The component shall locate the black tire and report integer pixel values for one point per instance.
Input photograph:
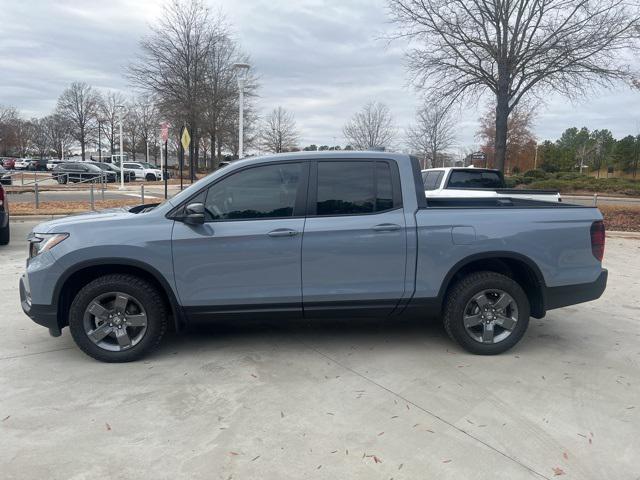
(5, 235)
(62, 179)
(459, 298)
(150, 177)
(143, 292)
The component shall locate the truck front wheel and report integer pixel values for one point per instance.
(117, 318)
(486, 313)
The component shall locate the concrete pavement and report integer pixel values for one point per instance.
(347, 398)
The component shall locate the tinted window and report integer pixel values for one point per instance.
(347, 188)
(475, 179)
(261, 192)
(132, 165)
(432, 180)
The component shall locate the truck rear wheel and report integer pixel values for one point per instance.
(117, 318)
(486, 313)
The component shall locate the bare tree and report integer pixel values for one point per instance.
(40, 142)
(58, 131)
(433, 133)
(109, 107)
(371, 128)
(172, 65)
(8, 118)
(131, 128)
(147, 116)
(279, 132)
(80, 104)
(513, 48)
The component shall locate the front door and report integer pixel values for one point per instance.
(245, 258)
(354, 250)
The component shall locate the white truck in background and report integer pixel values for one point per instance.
(477, 183)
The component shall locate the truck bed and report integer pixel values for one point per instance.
(494, 202)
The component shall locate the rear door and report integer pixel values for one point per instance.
(354, 245)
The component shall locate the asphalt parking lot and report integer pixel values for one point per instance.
(340, 399)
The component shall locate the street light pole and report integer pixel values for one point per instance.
(242, 69)
(120, 108)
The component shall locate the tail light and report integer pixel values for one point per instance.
(1, 196)
(597, 239)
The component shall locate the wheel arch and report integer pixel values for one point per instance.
(519, 267)
(74, 278)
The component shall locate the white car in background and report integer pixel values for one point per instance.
(477, 183)
(52, 163)
(144, 171)
(22, 163)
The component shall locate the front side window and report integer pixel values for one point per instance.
(267, 191)
(352, 188)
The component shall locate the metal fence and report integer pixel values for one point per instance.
(94, 184)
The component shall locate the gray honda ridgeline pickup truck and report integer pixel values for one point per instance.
(334, 234)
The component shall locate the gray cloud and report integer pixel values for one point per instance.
(320, 59)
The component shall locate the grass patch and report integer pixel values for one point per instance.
(67, 208)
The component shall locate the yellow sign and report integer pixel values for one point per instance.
(186, 138)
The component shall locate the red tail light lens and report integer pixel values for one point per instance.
(1, 196)
(597, 239)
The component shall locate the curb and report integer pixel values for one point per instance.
(623, 234)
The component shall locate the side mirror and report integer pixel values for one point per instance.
(194, 214)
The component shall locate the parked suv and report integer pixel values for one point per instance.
(144, 171)
(311, 235)
(5, 176)
(4, 218)
(37, 164)
(81, 171)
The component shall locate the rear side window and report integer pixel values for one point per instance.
(474, 179)
(432, 180)
(352, 188)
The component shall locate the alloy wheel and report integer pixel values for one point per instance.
(115, 321)
(490, 316)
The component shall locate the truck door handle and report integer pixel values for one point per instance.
(283, 232)
(387, 227)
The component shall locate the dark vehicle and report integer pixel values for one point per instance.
(5, 177)
(38, 164)
(129, 175)
(9, 163)
(4, 218)
(81, 171)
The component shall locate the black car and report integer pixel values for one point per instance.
(38, 164)
(4, 218)
(5, 177)
(82, 171)
(129, 175)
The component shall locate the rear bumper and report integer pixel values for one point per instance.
(45, 315)
(557, 297)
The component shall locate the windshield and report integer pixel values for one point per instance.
(148, 165)
(470, 178)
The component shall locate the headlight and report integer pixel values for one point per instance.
(42, 242)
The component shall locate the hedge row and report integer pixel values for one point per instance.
(574, 182)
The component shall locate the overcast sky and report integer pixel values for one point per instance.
(321, 59)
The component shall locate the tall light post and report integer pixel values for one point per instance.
(120, 109)
(242, 71)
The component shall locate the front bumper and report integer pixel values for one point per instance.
(557, 297)
(45, 315)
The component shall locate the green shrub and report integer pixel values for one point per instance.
(541, 174)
